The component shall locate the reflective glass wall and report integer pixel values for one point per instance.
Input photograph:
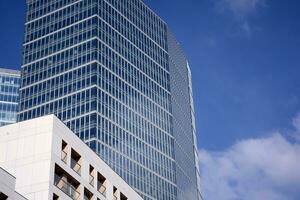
(184, 128)
(102, 66)
(9, 96)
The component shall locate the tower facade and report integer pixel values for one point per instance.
(107, 69)
(183, 124)
(9, 95)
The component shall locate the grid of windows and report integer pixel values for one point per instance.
(102, 66)
(105, 74)
(9, 96)
(184, 129)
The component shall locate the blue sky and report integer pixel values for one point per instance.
(245, 59)
(245, 62)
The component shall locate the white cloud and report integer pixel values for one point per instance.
(254, 169)
(296, 124)
(241, 8)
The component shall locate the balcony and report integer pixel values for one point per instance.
(123, 197)
(76, 166)
(101, 184)
(115, 193)
(91, 175)
(64, 150)
(64, 156)
(66, 187)
(76, 161)
(102, 189)
(87, 194)
(91, 180)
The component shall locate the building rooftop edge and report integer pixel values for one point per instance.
(1, 168)
(153, 12)
(10, 71)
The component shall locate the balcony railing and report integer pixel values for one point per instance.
(66, 187)
(91, 180)
(115, 197)
(102, 189)
(64, 156)
(86, 198)
(76, 166)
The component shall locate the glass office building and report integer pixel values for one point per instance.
(111, 70)
(9, 95)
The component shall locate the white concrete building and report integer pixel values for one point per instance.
(50, 162)
(7, 187)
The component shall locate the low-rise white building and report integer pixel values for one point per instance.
(50, 162)
(7, 187)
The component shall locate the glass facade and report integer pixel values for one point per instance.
(9, 95)
(103, 67)
(184, 128)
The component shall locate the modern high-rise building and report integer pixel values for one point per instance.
(9, 95)
(112, 72)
